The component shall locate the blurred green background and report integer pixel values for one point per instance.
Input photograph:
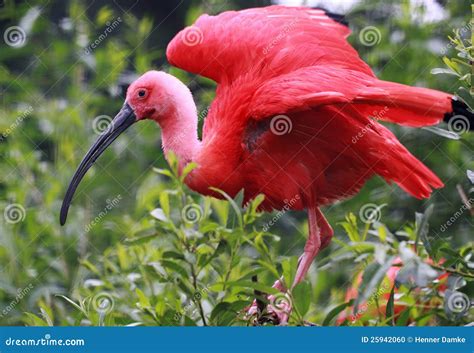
(64, 77)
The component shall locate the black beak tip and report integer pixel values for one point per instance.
(122, 121)
(63, 214)
(62, 219)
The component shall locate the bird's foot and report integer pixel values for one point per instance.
(276, 312)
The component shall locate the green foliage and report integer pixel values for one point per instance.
(156, 253)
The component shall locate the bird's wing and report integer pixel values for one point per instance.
(268, 41)
(310, 87)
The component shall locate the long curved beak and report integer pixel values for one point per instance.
(122, 121)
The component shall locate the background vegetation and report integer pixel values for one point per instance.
(140, 249)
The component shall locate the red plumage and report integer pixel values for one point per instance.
(296, 62)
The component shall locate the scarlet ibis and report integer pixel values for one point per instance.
(295, 116)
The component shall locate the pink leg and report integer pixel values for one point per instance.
(320, 234)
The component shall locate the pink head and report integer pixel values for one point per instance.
(154, 95)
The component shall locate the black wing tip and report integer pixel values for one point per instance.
(341, 19)
(460, 109)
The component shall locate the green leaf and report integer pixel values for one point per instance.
(335, 312)
(350, 226)
(186, 170)
(165, 203)
(225, 313)
(438, 71)
(142, 299)
(165, 172)
(302, 297)
(143, 237)
(422, 227)
(35, 320)
(233, 203)
(289, 267)
(73, 303)
(372, 277)
(246, 284)
(451, 64)
(403, 318)
(389, 311)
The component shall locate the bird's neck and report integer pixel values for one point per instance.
(179, 128)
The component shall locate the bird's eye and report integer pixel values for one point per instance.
(141, 93)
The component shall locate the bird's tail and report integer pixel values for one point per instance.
(395, 163)
(412, 106)
(388, 158)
